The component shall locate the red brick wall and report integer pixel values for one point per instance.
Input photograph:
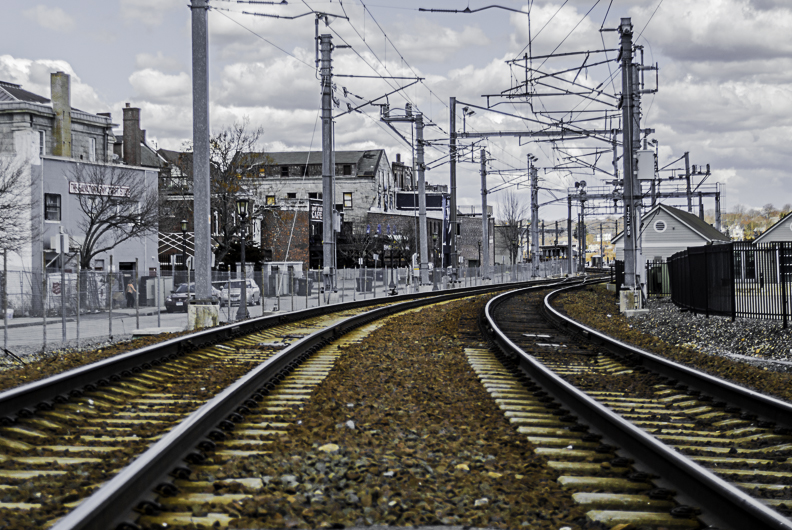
(275, 231)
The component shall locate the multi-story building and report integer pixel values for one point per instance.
(54, 144)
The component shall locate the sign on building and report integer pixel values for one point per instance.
(105, 190)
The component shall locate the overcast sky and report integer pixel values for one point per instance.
(725, 74)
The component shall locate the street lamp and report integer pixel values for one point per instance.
(184, 248)
(479, 256)
(242, 204)
(434, 269)
(392, 283)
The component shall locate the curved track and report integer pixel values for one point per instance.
(717, 446)
(162, 405)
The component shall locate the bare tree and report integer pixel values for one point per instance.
(115, 206)
(15, 205)
(360, 243)
(512, 211)
(231, 158)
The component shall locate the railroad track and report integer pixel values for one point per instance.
(121, 434)
(639, 439)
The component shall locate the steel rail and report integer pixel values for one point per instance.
(132, 488)
(24, 400)
(715, 495)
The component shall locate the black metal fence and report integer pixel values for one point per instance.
(735, 279)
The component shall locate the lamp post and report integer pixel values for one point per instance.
(184, 248)
(479, 256)
(392, 285)
(434, 262)
(242, 205)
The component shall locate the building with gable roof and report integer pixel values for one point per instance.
(666, 230)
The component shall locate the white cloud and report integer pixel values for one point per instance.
(158, 61)
(53, 18)
(149, 12)
(427, 41)
(718, 30)
(34, 76)
(157, 87)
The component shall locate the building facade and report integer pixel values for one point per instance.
(55, 144)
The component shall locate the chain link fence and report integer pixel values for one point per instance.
(55, 311)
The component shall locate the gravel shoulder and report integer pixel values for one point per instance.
(749, 352)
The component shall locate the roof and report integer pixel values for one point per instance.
(365, 161)
(772, 228)
(693, 222)
(13, 92)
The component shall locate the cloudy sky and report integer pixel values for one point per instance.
(725, 75)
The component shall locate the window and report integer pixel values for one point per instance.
(315, 195)
(262, 172)
(339, 207)
(347, 169)
(291, 195)
(348, 200)
(42, 139)
(660, 226)
(270, 200)
(52, 207)
(284, 171)
(92, 150)
(99, 265)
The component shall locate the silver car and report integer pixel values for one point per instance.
(234, 294)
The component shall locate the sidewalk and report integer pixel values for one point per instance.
(21, 322)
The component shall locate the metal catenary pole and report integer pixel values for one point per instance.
(5, 300)
(534, 219)
(423, 238)
(201, 179)
(687, 183)
(484, 219)
(79, 302)
(328, 171)
(452, 215)
(569, 234)
(631, 233)
(44, 305)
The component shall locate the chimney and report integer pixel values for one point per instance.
(398, 158)
(143, 136)
(61, 104)
(132, 135)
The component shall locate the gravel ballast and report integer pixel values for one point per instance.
(416, 440)
(749, 352)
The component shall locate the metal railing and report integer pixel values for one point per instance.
(736, 279)
(53, 311)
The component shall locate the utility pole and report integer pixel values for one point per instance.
(328, 169)
(484, 218)
(556, 234)
(631, 227)
(452, 219)
(687, 179)
(543, 232)
(602, 249)
(201, 184)
(534, 218)
(569, 233)
(423, 239)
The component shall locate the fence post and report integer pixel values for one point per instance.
(78, 303)
(733, 282)
(44, 305)
(782, 266)
(5, 300)
(137, 295)
(63, 287)
(706, 281)
(110, 299)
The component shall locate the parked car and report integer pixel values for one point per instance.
(253, 292)
(177, 301)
